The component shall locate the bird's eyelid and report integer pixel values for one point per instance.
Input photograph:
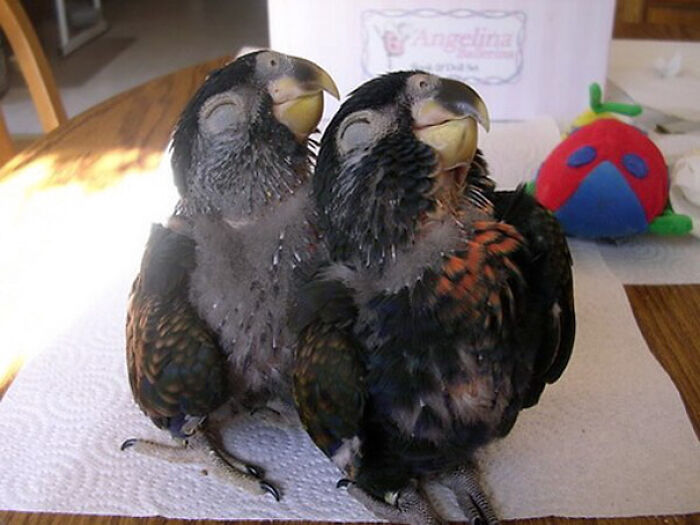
(354, 119)
(220, 112)
(359, 129)
(217, 100)
(354, 134)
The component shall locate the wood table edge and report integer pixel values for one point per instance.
(27, 518)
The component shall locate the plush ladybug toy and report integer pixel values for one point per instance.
(608, 180)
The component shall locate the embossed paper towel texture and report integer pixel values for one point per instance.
(611, 438)
(651, 259)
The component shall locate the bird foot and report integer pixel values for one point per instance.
(200, 446)
(408, 506)
(171, 453)
(464, 483)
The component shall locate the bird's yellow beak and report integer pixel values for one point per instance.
(297, 96)
(447, 122)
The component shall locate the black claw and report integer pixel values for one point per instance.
(128, 443)
(256, 471)
(342, 483)
(268, 487)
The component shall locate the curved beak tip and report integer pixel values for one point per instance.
(333, 89)
(303, 78)
(328, 84)
(463, 100)
(313, 75)
(298, 96)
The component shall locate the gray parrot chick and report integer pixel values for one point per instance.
(205, 322)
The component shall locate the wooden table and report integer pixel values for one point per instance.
(137, 124)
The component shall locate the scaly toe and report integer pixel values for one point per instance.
(270, 489)
(343, 483)
(472, 499)
(410, 507)
(256, 471)
(128, 443)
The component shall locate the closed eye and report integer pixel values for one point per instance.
(221, 116)
(221, 113)
(359, 131)
(355, 134)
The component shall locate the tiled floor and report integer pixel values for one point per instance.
(146, 39)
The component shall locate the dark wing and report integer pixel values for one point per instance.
(547, 271)
(176, 367)
(329, 371)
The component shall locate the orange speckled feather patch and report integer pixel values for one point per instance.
(477, 276)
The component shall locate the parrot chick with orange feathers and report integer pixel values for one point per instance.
(443, 308)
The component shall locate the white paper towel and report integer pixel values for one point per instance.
(653, 259)
(611, 438)
(622, 443)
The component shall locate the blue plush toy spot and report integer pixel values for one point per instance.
(582, 156)
(603, 206)
(635, 165)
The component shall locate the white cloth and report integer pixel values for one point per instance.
(685, 188)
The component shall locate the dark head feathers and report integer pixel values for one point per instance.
(238, 72)
(376, 93)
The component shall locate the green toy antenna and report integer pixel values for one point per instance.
(598, 106)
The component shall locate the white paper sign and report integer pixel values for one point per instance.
(483, 47)
(524, 57)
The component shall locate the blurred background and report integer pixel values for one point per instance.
(143, 39)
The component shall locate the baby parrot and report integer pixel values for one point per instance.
(442, 309)
(206, 335)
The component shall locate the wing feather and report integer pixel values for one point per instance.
(329, 372)
(548, 268)
(175, 365)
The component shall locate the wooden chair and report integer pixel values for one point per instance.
(35, 69)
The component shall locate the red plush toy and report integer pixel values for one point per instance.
(607, 179)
